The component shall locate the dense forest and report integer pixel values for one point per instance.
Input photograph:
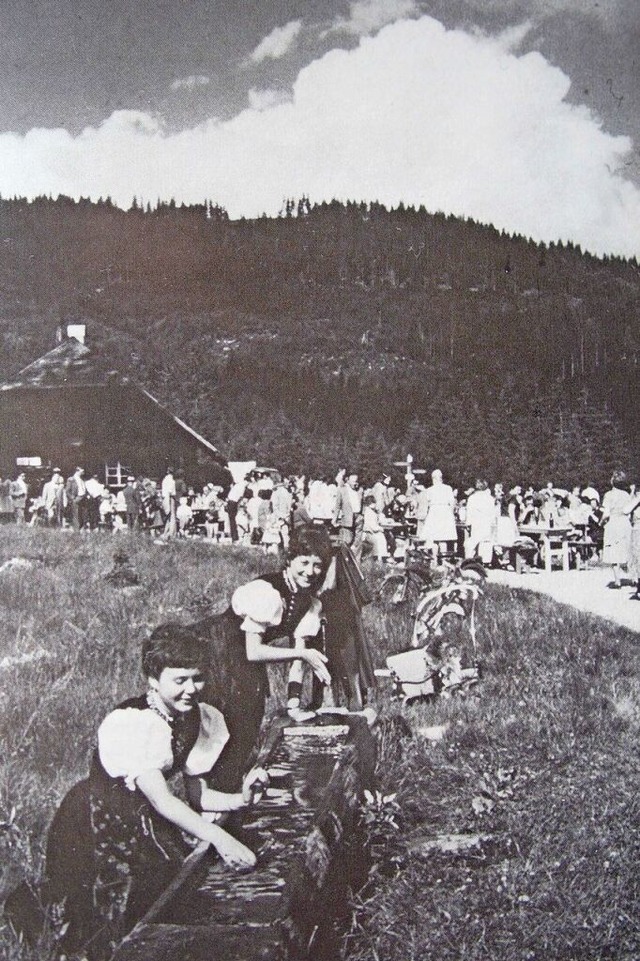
(342, 334)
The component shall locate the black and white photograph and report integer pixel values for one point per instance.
(319, 480)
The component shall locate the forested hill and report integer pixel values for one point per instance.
(342, 333)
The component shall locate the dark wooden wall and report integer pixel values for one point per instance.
(96, 425)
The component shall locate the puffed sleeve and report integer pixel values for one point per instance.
(212, 737)
(311, 622)
(260, 604)
(132, 741)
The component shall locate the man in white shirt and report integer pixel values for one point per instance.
(95, 492)
(236, 492)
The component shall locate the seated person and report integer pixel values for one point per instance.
(116, 841)
(531, 514)
(184, 516)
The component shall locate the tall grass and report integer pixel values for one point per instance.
(541, 762)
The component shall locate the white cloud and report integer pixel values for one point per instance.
(418, 114)
(367, 16)
(266, 98)
(190, 83)
(278, 43)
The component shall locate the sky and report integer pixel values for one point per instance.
(523, 114)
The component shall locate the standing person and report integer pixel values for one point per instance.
(61, 504)
(320, 501)
(168, 495)
(372, 531)
(6, 504)
(282, 506)
(95, 493)
(347, 515)
(383, 493)
(617, 526)
(437, 519)
(258, 509)
(481, 522)
(19, 494)
(133, 502)
(273, 606)
(236, 493)
(182, 489)
(506, 509)
(76, 491)
(116, 840)
(49, 497)
(632, 510)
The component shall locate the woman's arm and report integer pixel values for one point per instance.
(205, 798)
(262, 653)
(155, 789)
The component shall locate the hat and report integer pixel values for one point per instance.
(56, 470)
(130, 477)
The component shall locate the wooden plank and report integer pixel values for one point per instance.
(210, 942)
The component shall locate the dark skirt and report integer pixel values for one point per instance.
(109, 857)
(239, 689)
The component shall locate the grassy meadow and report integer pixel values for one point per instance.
(539, 764)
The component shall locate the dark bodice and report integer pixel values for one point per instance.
(295, 604)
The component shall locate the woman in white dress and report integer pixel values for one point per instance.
(436, 515)
(617, 527)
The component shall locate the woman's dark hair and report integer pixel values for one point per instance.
(308, 541)
(172, 645)
(618, 478)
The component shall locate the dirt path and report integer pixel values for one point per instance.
(586, 590)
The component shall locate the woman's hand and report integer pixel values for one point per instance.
(235, 854)
(317, 662)
(254, 785)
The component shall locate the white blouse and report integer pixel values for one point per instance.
(132, 741)
(262, 606)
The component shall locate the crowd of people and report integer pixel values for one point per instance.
(495, 524)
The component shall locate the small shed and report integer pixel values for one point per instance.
(70, 408)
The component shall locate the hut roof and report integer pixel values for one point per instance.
(72, 364)
(69, 364)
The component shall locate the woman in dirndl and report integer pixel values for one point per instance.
(118, 837)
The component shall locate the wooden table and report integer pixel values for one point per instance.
(554, 542)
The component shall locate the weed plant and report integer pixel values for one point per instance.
(539, 766)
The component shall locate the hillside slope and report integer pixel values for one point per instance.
(345, 333)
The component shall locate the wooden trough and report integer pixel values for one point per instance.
(305, 831)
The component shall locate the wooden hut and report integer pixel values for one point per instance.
(70, 408)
